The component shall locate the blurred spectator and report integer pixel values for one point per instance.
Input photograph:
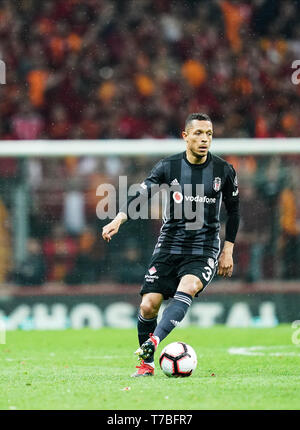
(290, 232)
(60, 251)
(253, 235)
(5, 242)
(8, 168)
(74, 210)
(32, 270)
(59, 126)
(27, 124)
(89, 123)
(268, 180)
(35, 173)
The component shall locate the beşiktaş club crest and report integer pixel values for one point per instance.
(217, 184)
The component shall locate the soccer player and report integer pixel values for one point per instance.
(187, 253)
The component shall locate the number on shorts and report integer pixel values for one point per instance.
(207, 274)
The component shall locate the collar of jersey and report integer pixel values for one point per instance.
(198, 166)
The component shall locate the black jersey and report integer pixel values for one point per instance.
(201, 188)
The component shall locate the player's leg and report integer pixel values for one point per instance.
(147, 318)
(147, 321)
(174, 313)
(195, 274)
(189, 286)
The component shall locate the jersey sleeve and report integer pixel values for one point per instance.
(230, 189)
(231, 201)
(156, 177)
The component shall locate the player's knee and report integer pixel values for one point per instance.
(191, 285)
(149, 309)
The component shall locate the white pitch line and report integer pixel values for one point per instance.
(17, 359)
(263, 351)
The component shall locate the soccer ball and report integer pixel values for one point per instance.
(178, 360)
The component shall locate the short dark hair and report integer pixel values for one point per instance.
(198, 116)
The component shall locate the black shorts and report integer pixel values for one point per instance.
(165, 271)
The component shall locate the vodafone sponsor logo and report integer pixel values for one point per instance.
(201, 199)
(177, 197)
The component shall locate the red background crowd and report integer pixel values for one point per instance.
(134, 68)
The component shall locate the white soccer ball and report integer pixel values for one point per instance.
(178, 360)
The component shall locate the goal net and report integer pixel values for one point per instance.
(48, 207)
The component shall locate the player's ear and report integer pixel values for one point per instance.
(184, 134)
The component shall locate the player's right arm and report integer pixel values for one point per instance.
(112, 228)
(156, 177)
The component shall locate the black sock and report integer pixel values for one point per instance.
(145, 327)
(173, 314)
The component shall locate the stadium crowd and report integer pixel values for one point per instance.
(134, 68)
(105, 69)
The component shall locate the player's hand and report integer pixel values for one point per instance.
(110, 230)
(225, 267)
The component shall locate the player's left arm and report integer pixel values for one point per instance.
(231, 201)
(156, 177)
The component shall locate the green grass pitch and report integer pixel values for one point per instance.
(90, 369)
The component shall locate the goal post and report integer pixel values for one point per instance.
(127, 147)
